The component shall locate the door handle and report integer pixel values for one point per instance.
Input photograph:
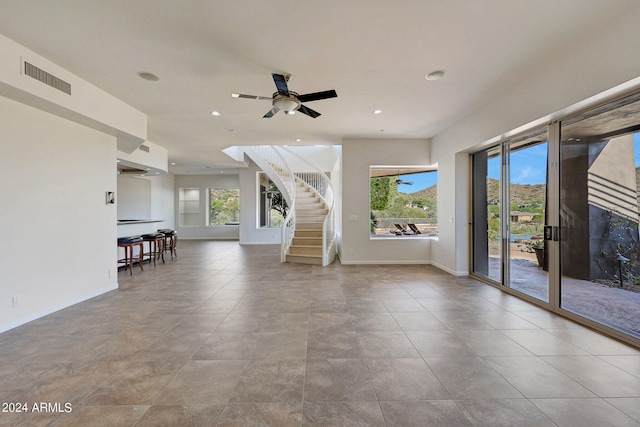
(552, 232)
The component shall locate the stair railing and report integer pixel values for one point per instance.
(321, 184)
(271, 161)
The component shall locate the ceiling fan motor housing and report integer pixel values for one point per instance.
(286, 103)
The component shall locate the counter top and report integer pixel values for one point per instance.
(138, 221)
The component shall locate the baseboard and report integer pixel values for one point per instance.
(259, 243)
(32, 317)
(386, 262)
(450, 271)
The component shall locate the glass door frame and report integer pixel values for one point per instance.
(553, 221)
(552, 244)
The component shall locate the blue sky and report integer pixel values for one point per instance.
(420, 182)
(528, 165)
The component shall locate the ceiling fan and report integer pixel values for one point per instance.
(287, 100)
(399, 181)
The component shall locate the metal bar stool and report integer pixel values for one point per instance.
(128, 243)
(172, 237)
(156, 246)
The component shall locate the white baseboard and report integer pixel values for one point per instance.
(58, 307)
(449, 270)
(386, 262)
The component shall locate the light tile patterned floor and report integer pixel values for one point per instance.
(226, 335)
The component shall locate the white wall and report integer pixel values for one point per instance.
(149, 198)
(203, 182)
(87, 104)
(133, 198)
(155, 158)
(162, 200)
(357, 156)
(250, 232)
(558, 86)
(59, 236)
(322, 157)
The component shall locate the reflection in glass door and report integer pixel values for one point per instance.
(527, 253)
(487, 214)
(600, 247)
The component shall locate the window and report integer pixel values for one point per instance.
(224, 206)
(404, 201)
(189, 207)
(272, 207)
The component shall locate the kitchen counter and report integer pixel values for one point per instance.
(138, 221)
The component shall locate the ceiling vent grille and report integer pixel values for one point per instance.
(46, 78)
(144, 148)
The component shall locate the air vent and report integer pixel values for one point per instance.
(46, 78)
(144, 148)
(131, 171)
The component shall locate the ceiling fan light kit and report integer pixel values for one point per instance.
(288, 101)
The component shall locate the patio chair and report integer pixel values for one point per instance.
(401, 229)
(414, 229)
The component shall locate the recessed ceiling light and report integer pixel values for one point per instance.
(215, 113)
(148, 76)
(377, 111)
(435, 75)
(235, 95)
(298, 140)
(173, 163)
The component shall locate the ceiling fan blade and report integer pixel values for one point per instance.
(318, 95)
(308, 111)
(271, 112)
(242, 95)
(281, 84)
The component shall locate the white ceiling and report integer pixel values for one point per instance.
(374, 53)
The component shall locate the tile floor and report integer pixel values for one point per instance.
(225, 335)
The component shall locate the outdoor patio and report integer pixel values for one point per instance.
(614, 307)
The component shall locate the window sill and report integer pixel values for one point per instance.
(403, 237)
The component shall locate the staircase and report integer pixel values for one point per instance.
(306, 247)
(308, 232)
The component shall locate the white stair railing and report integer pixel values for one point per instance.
(275, 166)
(322, 186)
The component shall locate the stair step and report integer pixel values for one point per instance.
(309, 200)
(308, 233)
(305, 250)
(305, 259)
(310, 218)
(301, 225)
(311, 212)
(307, 241)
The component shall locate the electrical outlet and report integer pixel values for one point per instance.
(15, 302)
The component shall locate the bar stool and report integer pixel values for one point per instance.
(128, 243)
(156, 246)
(172, 237)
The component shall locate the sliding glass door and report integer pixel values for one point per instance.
(509, 214)
(600, 258)
(556, 216)
(527, 208)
